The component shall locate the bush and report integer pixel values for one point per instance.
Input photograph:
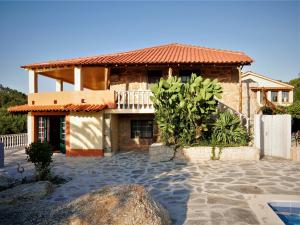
(294, 110)
(40, 154)
(228, 130)
(182, 110)
(266, 110)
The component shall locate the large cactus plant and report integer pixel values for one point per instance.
(182, 110)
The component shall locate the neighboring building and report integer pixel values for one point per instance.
(277, 92)
(255, 86)
(110, 109)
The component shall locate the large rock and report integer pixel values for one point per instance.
(127, 204)
(159, 152)
(26, 192)
(5, 182)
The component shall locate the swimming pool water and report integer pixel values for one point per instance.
(288, 212)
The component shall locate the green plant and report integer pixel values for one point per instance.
(40, 154)
(267, 110)
(294, 110)
(183, 110)
(296, 83)
(215, 156)
(9, 123)
(228, 130)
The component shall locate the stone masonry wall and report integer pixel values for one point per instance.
(136, 78)
(127, 143)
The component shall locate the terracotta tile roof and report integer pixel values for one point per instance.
(271, 88)
(170, 53)
(60, 108)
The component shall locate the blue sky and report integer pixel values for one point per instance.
(267, 31)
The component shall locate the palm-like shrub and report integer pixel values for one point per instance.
(182, 110)
(228, 130)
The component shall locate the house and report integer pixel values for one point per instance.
(110, 108)
(278, 92)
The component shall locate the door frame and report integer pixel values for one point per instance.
(67, 128)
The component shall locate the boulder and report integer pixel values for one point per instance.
(127, 204)
(26, 192)
(6, 182)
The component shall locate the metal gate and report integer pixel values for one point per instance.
(272, 135)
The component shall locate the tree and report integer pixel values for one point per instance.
(296, 84)
(183, 110)
(9, 123)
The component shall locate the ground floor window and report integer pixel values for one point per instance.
(141, 128)
(285, 96)
(274, 96)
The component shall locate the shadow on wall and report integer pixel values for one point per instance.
(86, 135)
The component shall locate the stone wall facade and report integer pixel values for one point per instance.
(250, 102)
(125, 142)
(136, 78)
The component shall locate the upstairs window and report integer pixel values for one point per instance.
(274, 96)
(185, 75)
(141, 128)
(154, 76)
(285, 96)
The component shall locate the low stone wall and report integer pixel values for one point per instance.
(196, 154)
(160, 152)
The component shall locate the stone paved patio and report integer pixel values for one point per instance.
(211, 192)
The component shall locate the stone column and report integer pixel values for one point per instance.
(170, 72)
(30, 128)
(33, 82)
(291, 96)
(269, 96)
(279, 97)
(106, 78)
(258, 93)
(58, 85)
(78, 79)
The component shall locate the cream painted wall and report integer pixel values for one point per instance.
(30, 128)
(261, 82)
(86, 130)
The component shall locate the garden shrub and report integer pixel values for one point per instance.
(267, 110)
(294, 110)
(228, 130)
(40, 154)
(183, 110)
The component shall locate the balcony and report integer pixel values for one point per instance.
(126, 101)
(72, 97)
(138, 100)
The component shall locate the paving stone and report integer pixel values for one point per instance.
(237, 216)
(193, 193)
(225, 201)
(246, 189)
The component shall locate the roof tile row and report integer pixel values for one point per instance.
(171, 53)
(59, 108)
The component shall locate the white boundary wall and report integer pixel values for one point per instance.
(272, 135)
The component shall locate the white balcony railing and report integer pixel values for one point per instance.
(134, 100)
(14, 140)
